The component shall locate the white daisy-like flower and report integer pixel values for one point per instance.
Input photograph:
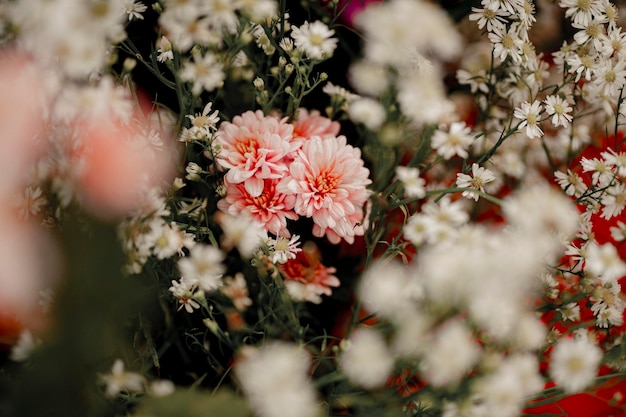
(506, 43)
(204, 71)
(163, 239)
(615, 43)
(419, 229)
(616, 160)
(165, 53)
(184, 293)
(454, 142)
(570, 312)
(574, 364)
(608, 306)
(590, 33)
(203, 267)
(618, 232)
(314, 39)
(411, 181)
(604, 261)
(601, 172)
(488, 17)
(283, 249)
(530, 114)
(134, 9)
(613, 201)
(559, 109)
(582, 11)
(475, 182)
(610, 76)
(337, 91)
(121, 381)
(571, 183)
(206, 121)
(582, 64)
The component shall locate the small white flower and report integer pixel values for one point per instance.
(454, 142)
(559, 109)
(163, 240)
(570, 312)
(340, 92)
(206, 120)
(539, 208)
(283, 249)
(506, 43)
(162, 388)
(616, 160)
(236, 289)
(389, 298)
(574, 364)
(165, 52)
(476, 182)
(275, 380)
(529, 114)
(506, 390)
(613, 201)
(582, 65)
(488, 17)
(571, 183)
(618, 232)
(411, 181)
(184, 293)
(242, 232)
(120, 381)
(601, 172)
(604, 261)
(203, 267)
(369, 78)
(314, 39)
(204, 72)
(134, 9)
(581, 12)
(193, 171)
(367, 359)
(453, 352)
(367, 111)
(610, 76)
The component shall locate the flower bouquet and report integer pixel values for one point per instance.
(320, 208)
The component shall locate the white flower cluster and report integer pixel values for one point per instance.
(404, 41)
(467, 292)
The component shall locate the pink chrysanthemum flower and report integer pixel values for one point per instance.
(253, 148)
(270, 208)
(329, 181)
(312, 123)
